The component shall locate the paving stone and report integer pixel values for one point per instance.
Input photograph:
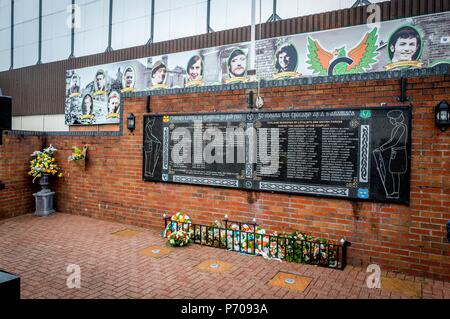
(116, 266)
(290, 281)
(402, 287)
(126, 233)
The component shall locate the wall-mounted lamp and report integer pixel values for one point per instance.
(442, 116)
(131, 122)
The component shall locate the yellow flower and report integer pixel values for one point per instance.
(60, 174)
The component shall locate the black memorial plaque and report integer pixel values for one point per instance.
(353, 153)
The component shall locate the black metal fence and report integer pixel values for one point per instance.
(240, 237)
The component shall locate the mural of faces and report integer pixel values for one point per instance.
(195, 68)
(286, 59)
(237, 63)
(87, 105)
(405, 45)
(100, 81)
(159, 73)
(128, 79)
(113, 102)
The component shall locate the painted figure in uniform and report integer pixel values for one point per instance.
(152, 148)
(398, 157)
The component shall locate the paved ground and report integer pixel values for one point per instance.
(40, 249)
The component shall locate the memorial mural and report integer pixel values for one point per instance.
(351, 153)
(93, 94)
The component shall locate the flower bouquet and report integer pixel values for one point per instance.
(248, 237)
(79, 156)
(44, 163)
(309, 249)
(179, 238)
(213, 235)
(177, 221)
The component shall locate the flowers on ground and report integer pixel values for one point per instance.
(252, 239)
(180, 238)
(176, 222)
(44, 163)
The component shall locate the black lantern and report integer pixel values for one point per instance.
(442, 116)
(131, 122)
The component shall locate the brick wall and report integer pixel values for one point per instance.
(17, 198)
(397, 237)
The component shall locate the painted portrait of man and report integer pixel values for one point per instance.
(286, 59)
(237, 66)
(159, 75)
(75, 85)
(194, 71)
(113, 105)
(100, 82)
(237, 63)
(128, 79)
(405, 48)
(87, 107)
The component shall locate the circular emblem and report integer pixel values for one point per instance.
(289, 281)
(354, 123)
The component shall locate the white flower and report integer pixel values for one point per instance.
(50, 150)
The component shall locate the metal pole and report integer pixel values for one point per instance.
(152, 23)
(274, 10)
(253, 37)
(72, 32)
(208, 17)
(109, 48)
(39, 61)
(12, 35)
(274, 16)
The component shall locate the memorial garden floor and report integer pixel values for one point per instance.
(123, 261)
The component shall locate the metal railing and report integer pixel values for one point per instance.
(297, 247)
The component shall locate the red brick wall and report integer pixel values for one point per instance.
(17, 198)
(397, 237)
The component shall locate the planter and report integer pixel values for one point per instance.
(81, 163)
(44, 198)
